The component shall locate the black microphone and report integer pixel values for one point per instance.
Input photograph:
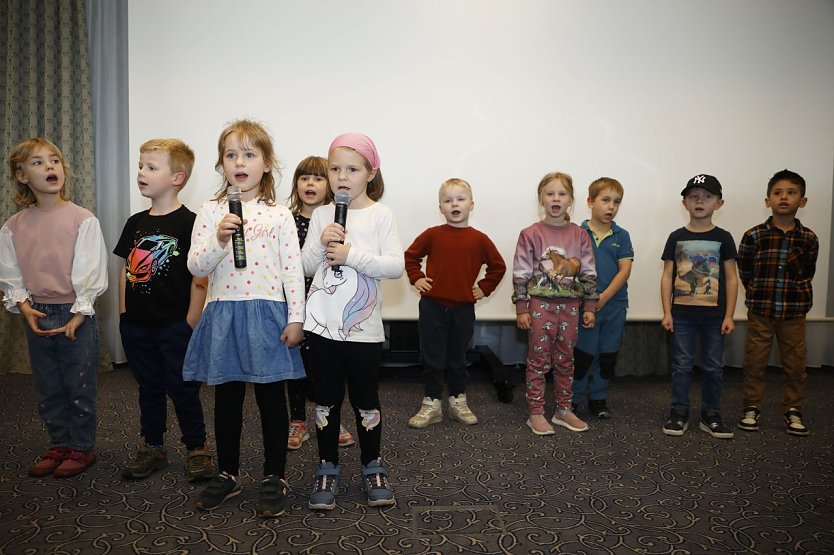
(341, 200)
(236, 208)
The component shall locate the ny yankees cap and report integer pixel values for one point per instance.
(704, 181)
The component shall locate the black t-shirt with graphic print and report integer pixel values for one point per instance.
(157, 280)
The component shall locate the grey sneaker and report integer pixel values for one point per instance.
(375, 477)
(272, 500)
(430, 413)
(324, 487)
(459, 410)
(222, 487)
(793, 423)
(749, 420)
(147, 461)
(714, 426)
(199, 464)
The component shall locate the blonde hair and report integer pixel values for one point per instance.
(456, 182)
(599, 185)
(22, 151)
(567, 183)
(253, 134)
(180, 156)
(312, 165)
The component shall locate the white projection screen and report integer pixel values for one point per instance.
(500, 93)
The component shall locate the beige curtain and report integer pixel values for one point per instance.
(45, 91)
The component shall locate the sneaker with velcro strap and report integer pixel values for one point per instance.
(375, 477)
(325, 484)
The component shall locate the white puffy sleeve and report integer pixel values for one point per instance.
(89, 267)
(11, 280)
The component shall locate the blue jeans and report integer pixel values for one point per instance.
(66, 375)
(155, 356)
(688, 330)
(605, 338)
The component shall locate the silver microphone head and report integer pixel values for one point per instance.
(342, 197)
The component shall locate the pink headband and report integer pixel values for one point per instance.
(361, 144)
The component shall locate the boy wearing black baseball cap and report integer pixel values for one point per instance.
(698, 290)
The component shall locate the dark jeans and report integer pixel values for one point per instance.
(334, 362)
(684, 340)
(228, 425)
(445, 333)
(66, 376)
(155, 356)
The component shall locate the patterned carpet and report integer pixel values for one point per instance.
(622, 487)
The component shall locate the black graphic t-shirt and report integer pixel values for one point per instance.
(698, 270)
(157, 280)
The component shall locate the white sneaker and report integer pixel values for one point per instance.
(459, 410)
(430, 413)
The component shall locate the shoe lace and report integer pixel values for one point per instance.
(750, 414)
(377, 480)
(425, 411)
(794, 418)
(324, 483)
(295, 429)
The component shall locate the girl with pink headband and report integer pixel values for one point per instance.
(343, 313)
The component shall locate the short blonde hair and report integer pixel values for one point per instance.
(603, 183)
(565, 179)
(23, 195)
(455, 182)
(180, 156)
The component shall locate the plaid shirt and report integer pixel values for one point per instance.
(776, 269)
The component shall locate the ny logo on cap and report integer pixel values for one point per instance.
(699, 179)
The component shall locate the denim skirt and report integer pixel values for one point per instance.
(240, 341)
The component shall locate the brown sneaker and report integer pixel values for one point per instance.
(75, 462)
(199, 464)
(48, 462)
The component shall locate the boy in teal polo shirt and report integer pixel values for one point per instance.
(597, 347)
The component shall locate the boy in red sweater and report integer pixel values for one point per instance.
(454, 255)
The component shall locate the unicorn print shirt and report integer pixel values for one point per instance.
(273, 259)
(344, 304)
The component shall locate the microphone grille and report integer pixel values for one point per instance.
(342, 197)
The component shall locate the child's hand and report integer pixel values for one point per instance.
(292, 334)
(226, 228)
(667, 323)
(477, 293)
(423, 285)
(588, 319)
(337, 254)
(31, 317)
(75, 322)
(332, 233)
(727, 326)
(524, 321)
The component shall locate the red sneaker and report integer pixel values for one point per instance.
(48, 462)
(75, 462)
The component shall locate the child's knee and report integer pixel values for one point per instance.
(581, 363)
(607, 363)
(370, 418)
(322, 415)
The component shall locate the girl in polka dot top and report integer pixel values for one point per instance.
(252, 323)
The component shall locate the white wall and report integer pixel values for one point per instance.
(500, 93)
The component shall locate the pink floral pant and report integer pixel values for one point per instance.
(555, 327)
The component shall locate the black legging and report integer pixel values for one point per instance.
(334, 362)
(228, 425)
